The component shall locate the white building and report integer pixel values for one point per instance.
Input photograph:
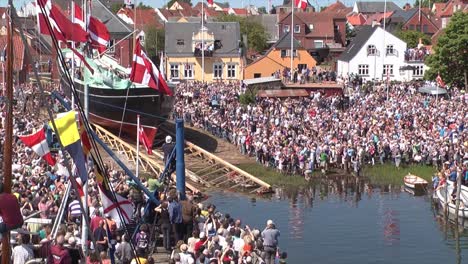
(378, 54)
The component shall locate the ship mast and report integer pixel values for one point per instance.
(7, 150)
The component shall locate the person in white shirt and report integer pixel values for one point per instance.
(22, 252)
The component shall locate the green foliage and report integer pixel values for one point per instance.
(171, 2)
(262, 10)
(256, 34)
(154, 40)
(388, 173)
(143, 6)
(450, 57)
(411, 37)
(115, 7)
(249, 96)
(428, 3)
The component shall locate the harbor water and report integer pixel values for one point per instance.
(344, 220)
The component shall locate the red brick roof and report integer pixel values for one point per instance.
(356, 19)
(18, 50)
(335, 7)
(439, 7)
(322, 22)
(209, 12)
(240, 11)
(378, 17)
(144, 17)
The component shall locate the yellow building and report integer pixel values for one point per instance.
(220, 56)
(278, 58)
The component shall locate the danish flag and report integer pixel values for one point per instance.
(98, 33)
(301, 4)
(38, 143)
(145, 72)
(439, 81)
(145, 140)
(60, 26)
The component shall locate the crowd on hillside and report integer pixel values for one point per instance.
(190, 232)
(300, 135)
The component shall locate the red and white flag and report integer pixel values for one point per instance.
(98, 33)
(123, 205)
(439, 81)
(51, 21)
(145, 140)
(38, 143)
(301, 4)
(145, 72)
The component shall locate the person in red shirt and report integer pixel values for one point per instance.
(58, 253)
(198, 245)
(94, 223)
(10, 212)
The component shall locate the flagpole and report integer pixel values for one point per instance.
(203, 41)
(291, 31)
(384, 48)
(138, 145)
(73, 55)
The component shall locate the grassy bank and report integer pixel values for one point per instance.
(389, 174)
(378, 174)
(272, 177)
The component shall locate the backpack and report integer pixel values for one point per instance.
(142, 241)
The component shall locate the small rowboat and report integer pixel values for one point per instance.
(415, 182)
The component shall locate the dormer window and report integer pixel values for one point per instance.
(286, 28)
(311, 27)
(371, 50)
(180, 42)
(297, 28)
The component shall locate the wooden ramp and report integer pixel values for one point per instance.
(219, 173)
(151, 164)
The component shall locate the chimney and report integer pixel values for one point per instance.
(375, 23)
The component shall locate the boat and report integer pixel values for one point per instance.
(114, 101)
(415, 182)
(444, 196)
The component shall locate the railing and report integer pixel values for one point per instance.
(198, 53)
(373, 52)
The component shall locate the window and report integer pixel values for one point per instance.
(223, 27)
(418, 27)
(311, 27)
(418, 70)
(174, 71)
(371, 50)
(387, 68)
(180, 42)
(217, 70)
(390, 50)
(283, 53)
(318, 44)
(141, 37)
(297, 28)
(411, 27)
(188, 71)
(231, 71)
(257, 75)
(288, 53)
(363, 69)
(425, 28)
(286, 28)
(302, 66)
(337, 27)
(110, 46)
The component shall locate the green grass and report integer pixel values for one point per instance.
(272, 177)
(389, 174)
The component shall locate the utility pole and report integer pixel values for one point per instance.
(7, 150)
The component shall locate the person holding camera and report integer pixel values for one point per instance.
(270, 242)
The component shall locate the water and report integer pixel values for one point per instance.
(341, 221)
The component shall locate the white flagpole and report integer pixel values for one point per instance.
(291, 31)
(138, 145)
(203, 41)
(385, 48)
(73, 55)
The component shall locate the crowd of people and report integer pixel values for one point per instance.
(304, 75)
(190, 232)
(301, 135)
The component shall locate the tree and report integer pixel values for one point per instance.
(143, 6)
(262, 10)
(257, 36)
(154, 40)
(450, 57)
(171, 2)
(427, 3)
(411, 37)
(115, 7)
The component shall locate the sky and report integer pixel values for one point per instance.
(233, 3)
